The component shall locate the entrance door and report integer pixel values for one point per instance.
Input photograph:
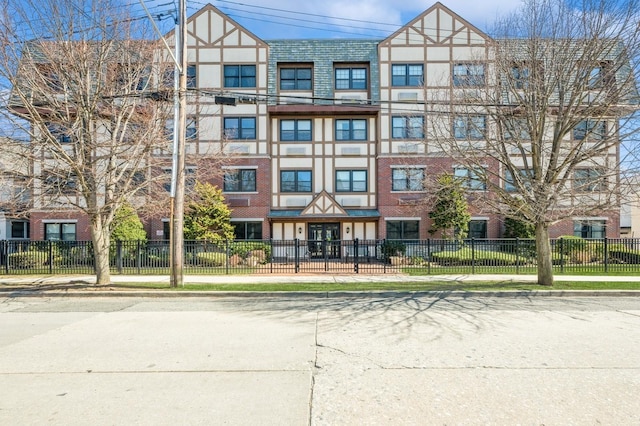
(324, 240)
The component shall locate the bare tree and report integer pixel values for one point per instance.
(542, 118)
(15, 177)
(81, 74)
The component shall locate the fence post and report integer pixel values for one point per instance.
(560, 241)
(606, 254)
(227, 251)
(296, 256)
(118, 256)
(50, 257)
(272, 255)
(355, 256)
(138, 257)
(517, 255)
(429, 256)
(473, 255)
(384, 256)
(5, 255)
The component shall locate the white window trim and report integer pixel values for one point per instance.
(585, 218)
(60, 221)
(402, 218)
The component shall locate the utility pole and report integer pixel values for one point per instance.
(178, 169)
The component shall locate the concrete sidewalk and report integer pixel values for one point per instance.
(82, 285)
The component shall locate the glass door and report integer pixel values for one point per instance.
(324, 240)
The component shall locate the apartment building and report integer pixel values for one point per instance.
(326, 139)
(15, 172)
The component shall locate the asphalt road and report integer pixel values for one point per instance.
(336, 361)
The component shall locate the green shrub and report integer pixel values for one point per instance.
(28, 259)
(80, 255)
(211, 258)
(466, 256)
(393, 248)
(568, 244)
(622, 254)
(558, 259)
(245, 249)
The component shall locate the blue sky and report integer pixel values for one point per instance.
(333, 18)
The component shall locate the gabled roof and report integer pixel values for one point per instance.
(220, 28)
(323, 204)
(437, 25)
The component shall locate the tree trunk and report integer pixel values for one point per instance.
(543, 251)
(101, 242)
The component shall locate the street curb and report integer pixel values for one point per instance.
(320, 294)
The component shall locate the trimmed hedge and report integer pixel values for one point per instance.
(246, 249)
(28, 259)
(211, 258)
(619, 253)
(466, 256)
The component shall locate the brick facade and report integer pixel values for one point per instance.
(325, 154)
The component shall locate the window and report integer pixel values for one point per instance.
(351, 181)
(478, 229)
(190, 132)
(351, 78)
(407, 127)
(240, 127)
(21, 190)
(295, 130)
(59, 132)
(19, 229)
(167, 78)
(295, 78)
(407, 74)
(403, 229)
(351, 130)
(243, 180)
(166, 229)
(516, 129)
(60, 184)
(509, 183)
(521, 75)
(51, 78)
(189, 178)
(465, 75)
(60, 231)
(130, 76)
(409, 179)
(589, 180)
(295, 181)
(192, 128)
(471, 179)
(469, 127)
(136, 179)
(600, 76)
(247, 230)
(589, 228)
(239, 76)
(191, 77)
(591, 129)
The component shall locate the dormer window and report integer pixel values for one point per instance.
(296, 78)
(351, 78)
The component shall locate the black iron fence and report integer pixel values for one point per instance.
(432, 256)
